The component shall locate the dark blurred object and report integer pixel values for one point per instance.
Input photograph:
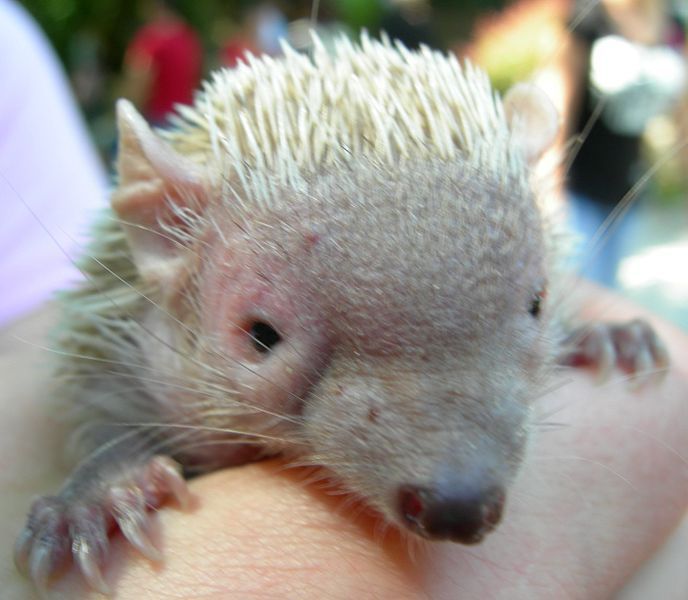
(86, 71)
(358, 14)
(626, 57)
(163, 63)
(625, 71)
(240, 43)
(410, 22)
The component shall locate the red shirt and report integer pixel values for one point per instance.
(172, 51)
(235, 50)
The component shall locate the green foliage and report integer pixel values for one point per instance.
(113, 22)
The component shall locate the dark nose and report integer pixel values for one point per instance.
(459, 512)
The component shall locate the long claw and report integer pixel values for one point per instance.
(88, 563)
(606, 359)
(129, 510)
(75, 527)
(22, 548)
(174, 480)
(642, 367)
(137, 538)
(40, 567)
(39, 520)
(661, 354)
(633, 347)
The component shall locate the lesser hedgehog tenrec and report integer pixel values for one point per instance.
(337, 258)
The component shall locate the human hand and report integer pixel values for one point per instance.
(597, 496)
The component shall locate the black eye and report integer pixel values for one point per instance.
(536, 304)
(263, 336)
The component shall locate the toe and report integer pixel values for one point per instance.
(130, 511)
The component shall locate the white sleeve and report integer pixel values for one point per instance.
(51, 180)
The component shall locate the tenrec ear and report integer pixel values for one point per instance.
(154, 182)
(532, 118)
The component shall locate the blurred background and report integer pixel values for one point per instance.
(615, 68)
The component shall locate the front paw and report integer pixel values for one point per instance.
(71, 527)
(633, 347)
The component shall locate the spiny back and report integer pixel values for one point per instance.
(285, 118)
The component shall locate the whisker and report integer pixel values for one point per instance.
(578, 141)
(202, 428)
(596, 463)
(551, 425)
(613, 219)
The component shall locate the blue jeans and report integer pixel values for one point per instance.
(598, 258)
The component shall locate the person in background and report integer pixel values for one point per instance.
(163, 62)
(260, 31)
(323, 18)
(623, 69)
(410, 22)
(51, 181)
(271, 26)
(240, 43)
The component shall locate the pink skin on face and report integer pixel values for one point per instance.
(236, 297)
